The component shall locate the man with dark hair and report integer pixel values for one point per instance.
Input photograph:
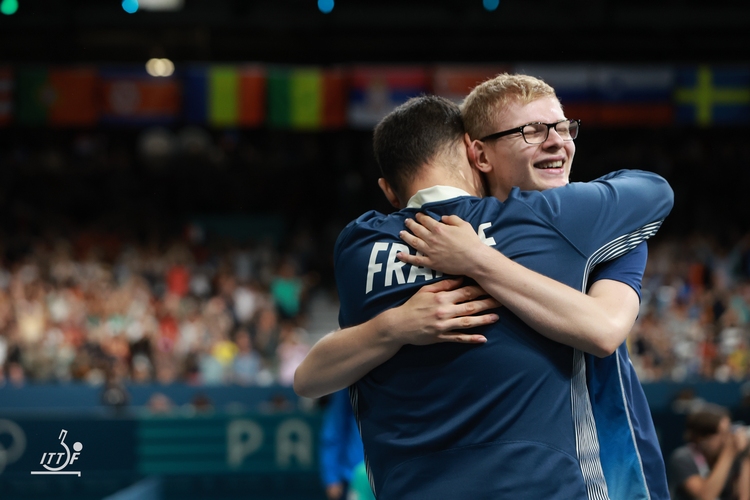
(401, 153)
(490, 421)
(714, 462)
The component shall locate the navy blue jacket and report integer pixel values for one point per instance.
(511, 418)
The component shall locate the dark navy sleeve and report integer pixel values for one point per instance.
(618, 210)
(627, 269)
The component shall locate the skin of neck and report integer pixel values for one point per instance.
(440, 176)
(474, 151)
(498, 191)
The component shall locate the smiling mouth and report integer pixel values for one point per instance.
(549, 165)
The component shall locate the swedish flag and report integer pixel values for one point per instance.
(713, 95)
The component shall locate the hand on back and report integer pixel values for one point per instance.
(441, 312)
(450, 246)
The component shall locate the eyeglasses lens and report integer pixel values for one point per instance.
(537, 133)
(571, 127)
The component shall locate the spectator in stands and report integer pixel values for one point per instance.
(71, 306)
(160, 404)
(115, 395)
(247, 364)
(291, 351)
(714, 464)
(287, 290)
(201, 403)
(266, 333)
(340, 446)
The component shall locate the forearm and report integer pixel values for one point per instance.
(717, 479)
(596, 323)
(342, 357)
(743, 480)
(431, 315)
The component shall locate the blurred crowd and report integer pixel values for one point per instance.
(103, 310)
(146, 305)
(694, 322)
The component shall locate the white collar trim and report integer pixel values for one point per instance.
(433, 194)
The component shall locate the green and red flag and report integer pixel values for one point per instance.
(226, 95)
(57, 96)
(307, 98)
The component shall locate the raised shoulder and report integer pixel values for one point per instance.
(590, 214)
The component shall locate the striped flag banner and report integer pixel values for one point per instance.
(611, 95)
(6, 95)
(573, 84)
(225, 95)
(307, 98)
(634, 95)
(57, 96)
(376, 91)
(713, 95)
(455, 82)
(132, 96)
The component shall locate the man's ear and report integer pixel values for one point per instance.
(469, 152)
(389, 193)
(477, 154)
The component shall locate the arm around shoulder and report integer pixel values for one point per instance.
(431, 315)
(596, 323)
(641, 186)
(344, 356)
(627, 206)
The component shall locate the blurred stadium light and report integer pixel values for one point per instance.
(159, 67)
(162, 5)
(491, 4)
(325, 6)
(9, 7)
(130, 6)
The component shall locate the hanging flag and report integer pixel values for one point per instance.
(307, 98)
(335, 98)
(455, 82)
(225, 95)
(6, 95)
(130, 95)
(573, 84)
(376, 91)
(195, 94)
(57, 96)
(236, 96)
(712, 95)
(634, 95)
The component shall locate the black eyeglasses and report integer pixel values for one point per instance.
(537, 132)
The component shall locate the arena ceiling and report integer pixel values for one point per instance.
(295, 31)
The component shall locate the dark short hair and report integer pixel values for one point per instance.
(412, 135)
(704, 421)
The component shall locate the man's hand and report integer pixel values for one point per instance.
(739, 440)
(334, 491)
(436, 311)
(431, 315)
(451, 246)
